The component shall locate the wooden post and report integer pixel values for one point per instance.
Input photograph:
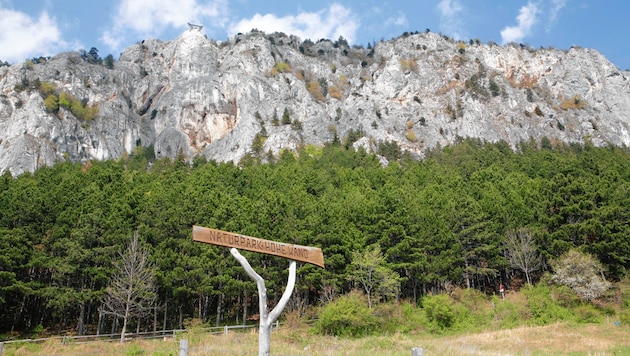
(266, 318)
(417, 351)
(183, 347)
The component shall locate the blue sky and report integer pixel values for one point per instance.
(33, 28)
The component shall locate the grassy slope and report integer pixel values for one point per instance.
(297, 338)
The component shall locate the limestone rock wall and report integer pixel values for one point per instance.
(195, 96)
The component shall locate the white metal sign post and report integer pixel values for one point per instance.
(293, 252)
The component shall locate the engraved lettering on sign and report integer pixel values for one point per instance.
(300, 253)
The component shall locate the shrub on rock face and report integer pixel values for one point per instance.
(52, 103)
(286, 118)
(281, 67)
(109, 61)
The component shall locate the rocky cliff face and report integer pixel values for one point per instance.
(258, 93)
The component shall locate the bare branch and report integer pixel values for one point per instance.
(522, 253)
(131, 290)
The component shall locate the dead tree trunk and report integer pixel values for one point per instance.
(132, 286)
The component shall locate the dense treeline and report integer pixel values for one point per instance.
(439, 222)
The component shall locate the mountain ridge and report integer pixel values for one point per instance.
(258, 94)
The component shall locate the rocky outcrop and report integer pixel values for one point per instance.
(260, 93)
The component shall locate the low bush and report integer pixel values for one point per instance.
(509, 314)
(587, 313)
(543, 307)
(281, 67)
(566, 297)
(53, 101)
(46, 89)
(410, 135)
(77, 107)
(473, 309)
(439, 312)
(348, 316)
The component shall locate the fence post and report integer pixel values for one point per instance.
(225, 330)
(1, 347)
(417, 351)
(183, 347)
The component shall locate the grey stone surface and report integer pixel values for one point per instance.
(195, 96)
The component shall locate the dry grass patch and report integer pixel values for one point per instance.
(522, 81)
(316, 90)
(335, 92)
(557, 339)
(576, 102)
(408, 65)
(452, 84)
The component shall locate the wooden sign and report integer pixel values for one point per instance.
(300, 253)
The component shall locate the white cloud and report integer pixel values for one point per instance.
(330, 23)
(451, 19)
(400, 20)
(149, 18)
(556, 6)
(22, 36)
(450, 8)
(526, 20)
